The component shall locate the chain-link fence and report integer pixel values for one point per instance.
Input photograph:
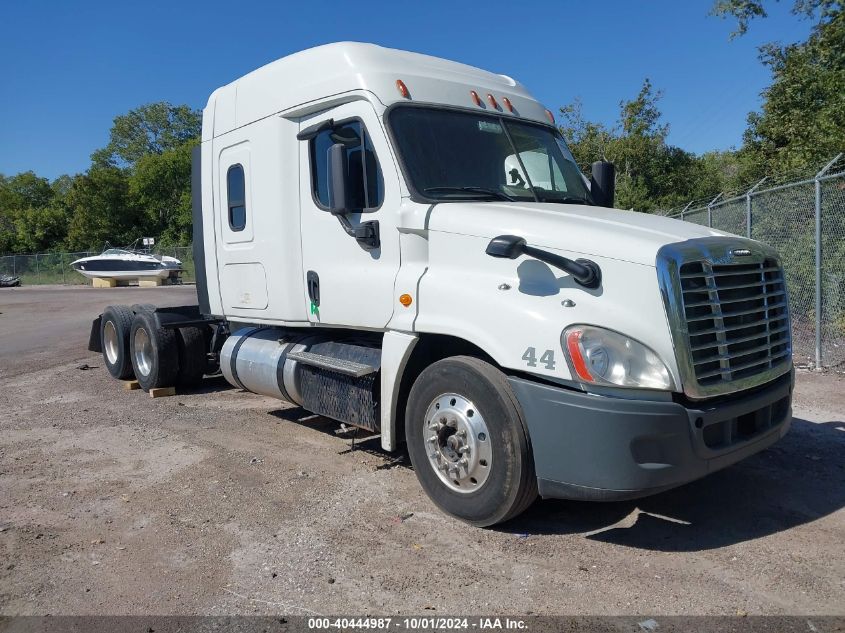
(54, 268)
(805, 222)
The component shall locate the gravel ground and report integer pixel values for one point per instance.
(223, 502)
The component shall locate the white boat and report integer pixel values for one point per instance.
(128, 263)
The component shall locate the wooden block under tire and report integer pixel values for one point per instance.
(103, 282)
(161, 392)
(131, 385)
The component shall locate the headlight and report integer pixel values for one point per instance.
(600, 356)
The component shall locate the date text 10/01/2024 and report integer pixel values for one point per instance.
(422, 623)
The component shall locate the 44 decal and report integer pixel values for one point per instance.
(547, 358)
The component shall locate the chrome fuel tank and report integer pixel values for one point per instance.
(256, 359)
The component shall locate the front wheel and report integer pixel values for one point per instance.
(468, 441)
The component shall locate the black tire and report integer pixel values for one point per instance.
(161, 353)
(116, 356)
(192, 356)
(511, 485)
(143, 307)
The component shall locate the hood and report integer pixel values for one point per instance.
(590, 231)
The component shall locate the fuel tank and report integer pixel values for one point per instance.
(256, 359)
(334, 378)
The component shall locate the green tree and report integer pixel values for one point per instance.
(744, 11)
(39, 229)
(101, 210)
(7, 222)
(801, 123)
(61, 186)
(20, 195)
(153, 128)
(650, 173)
(23, 190)
(640, 152)
(160, 185)
(589, 141)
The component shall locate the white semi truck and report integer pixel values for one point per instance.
(405, 244)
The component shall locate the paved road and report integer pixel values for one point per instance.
(39, 321)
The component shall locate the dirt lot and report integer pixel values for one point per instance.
(222, 502)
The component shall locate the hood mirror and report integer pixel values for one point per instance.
(585, 272)
(509, 246)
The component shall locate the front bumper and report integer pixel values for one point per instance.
(607, 449)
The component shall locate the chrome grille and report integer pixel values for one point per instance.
(737, 322)
(728, 313)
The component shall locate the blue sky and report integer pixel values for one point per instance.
(68, 68)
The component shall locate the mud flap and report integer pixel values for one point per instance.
(94, 342)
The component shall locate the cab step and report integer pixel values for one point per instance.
(339, 365)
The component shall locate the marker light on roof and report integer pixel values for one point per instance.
(550, 117)
(508, 104)
(403, 89)
(492, 101)
(476, 99)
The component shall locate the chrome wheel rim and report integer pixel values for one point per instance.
(110, 344)
(143, 352)
(458, 443)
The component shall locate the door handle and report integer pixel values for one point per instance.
(313, 283)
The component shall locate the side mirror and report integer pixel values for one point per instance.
(603, 183)
(340, 199)
(338, 177)
(585, 272)
(509, 246)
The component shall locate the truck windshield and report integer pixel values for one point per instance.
(456, 155)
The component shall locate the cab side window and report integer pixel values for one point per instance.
(365, 175)
(236, 196)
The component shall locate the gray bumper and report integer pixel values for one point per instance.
(607, 449)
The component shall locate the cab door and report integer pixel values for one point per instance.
(347, 283)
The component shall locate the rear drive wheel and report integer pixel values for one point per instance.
(141, 307)
(115, 327)
(154, 351)
(192, 356)
(468, 441)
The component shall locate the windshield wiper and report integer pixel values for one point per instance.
(483, 190)
(563, 199)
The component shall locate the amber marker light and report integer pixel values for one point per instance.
(508, 104)
(492, 101)
(406, 300)
(475, 98)
(550, 117)
(403, 89)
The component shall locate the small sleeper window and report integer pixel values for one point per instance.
(236, 194)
